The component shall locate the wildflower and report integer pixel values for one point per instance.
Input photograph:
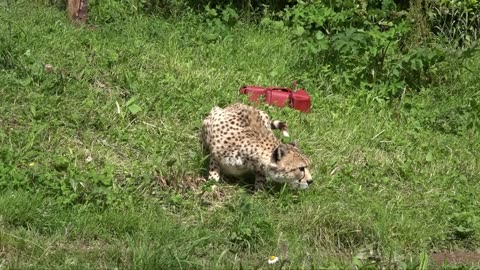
(89, 159)
(31, 164)
(272, 259)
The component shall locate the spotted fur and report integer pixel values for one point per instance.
(240, 140)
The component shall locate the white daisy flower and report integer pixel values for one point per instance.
(272, 259)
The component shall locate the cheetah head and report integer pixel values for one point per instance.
(291, 166)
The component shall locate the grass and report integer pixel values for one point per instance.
(100, 164)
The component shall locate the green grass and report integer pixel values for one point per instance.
(392, 179)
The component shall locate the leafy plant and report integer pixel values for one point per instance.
(249, 228)
(218, 22)
(459, 119)
(458, 22)
(362, 46)
(132, 106)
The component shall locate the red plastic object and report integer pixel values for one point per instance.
(254, 92)
(301, 100)
(279, 96)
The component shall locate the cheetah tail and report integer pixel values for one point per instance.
(276, 124)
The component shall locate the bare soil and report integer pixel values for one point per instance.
(456, 257)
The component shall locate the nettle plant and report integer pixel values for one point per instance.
(363, 45)
(218, 21)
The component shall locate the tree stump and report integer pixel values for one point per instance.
(78, 10)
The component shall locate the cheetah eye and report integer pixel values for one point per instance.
(302, 169)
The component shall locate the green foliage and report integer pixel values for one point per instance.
(362, 46)
(457, 22)
(218, 23)
(460, 119)
(165, 7)
(109, 11)
(245, 7)
(248, 229)
(100, 164)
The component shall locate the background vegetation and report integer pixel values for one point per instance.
(100, 164)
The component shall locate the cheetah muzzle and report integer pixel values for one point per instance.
(240, 140)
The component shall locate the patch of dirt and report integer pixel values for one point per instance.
(456, 257)
(209, 195)
(9, 125)
(182, 184)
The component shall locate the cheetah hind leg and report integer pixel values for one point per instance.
(282, 126)
(214, 170)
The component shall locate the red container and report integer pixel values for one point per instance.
(301, 101)
(279, 96)
(254, 92)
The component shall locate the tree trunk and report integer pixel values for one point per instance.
(78, 10)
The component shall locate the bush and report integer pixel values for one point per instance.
(243, 6)
(107, 11)
(111, 10)
(458, 22)
(362, 46)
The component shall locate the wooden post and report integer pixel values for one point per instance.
(78, 10)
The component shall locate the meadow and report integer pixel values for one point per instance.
(101, 165)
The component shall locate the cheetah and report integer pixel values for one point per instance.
(240, 140)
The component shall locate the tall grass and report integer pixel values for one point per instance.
(100, 165)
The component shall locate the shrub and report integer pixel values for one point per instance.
(458, 22)
(361, 45)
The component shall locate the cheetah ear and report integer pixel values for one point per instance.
(279, 152)
(294, 143)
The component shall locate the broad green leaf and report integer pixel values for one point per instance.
(429, 157)
(131, 101)
(299, 30)
(319, 35)
(134, 109)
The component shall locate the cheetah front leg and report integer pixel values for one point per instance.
(260, 181)
(214, 170)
